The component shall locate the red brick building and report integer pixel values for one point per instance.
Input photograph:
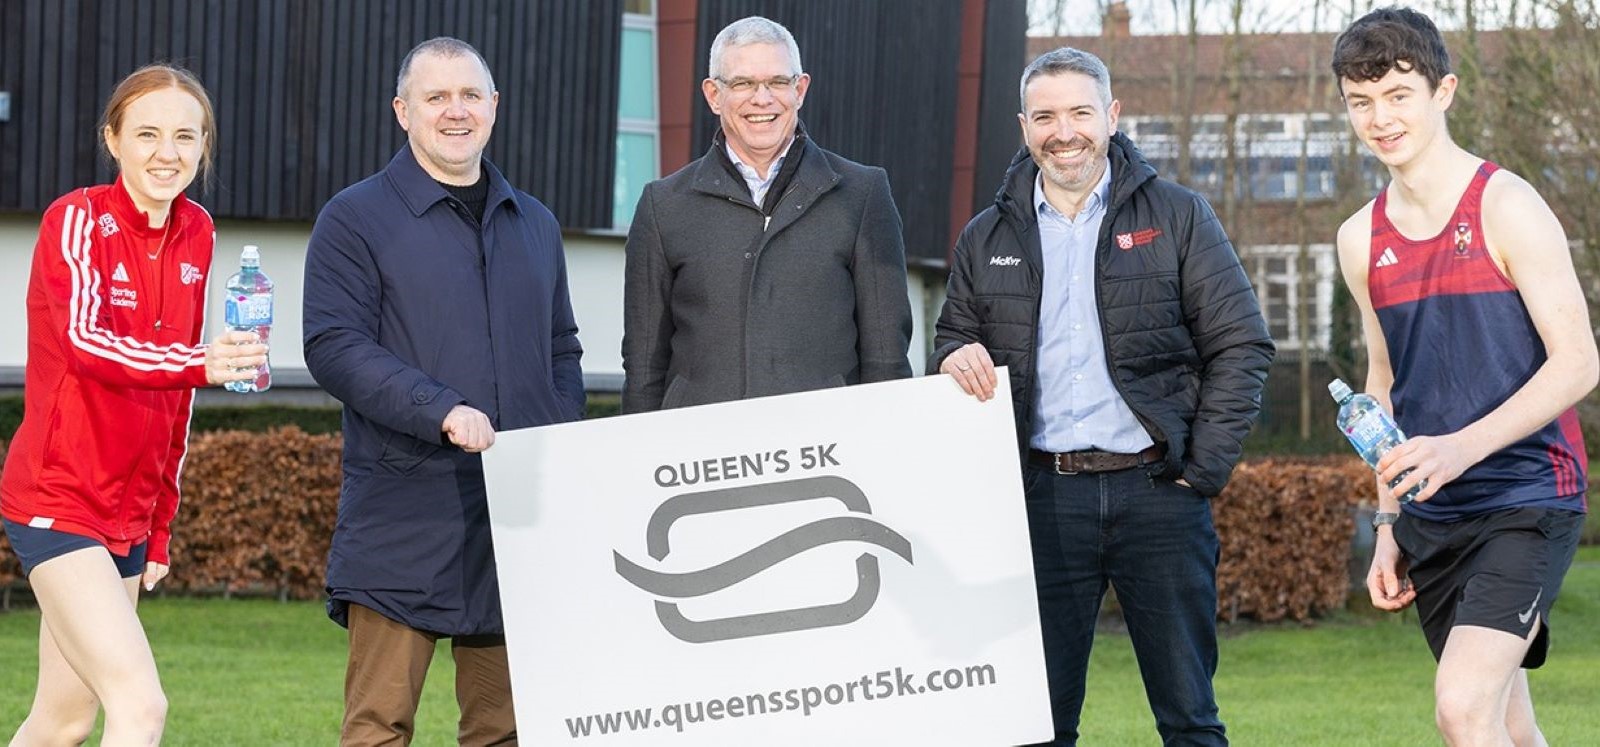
(1276, 95)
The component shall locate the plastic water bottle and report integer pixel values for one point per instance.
(1370, 430)
(249, 309)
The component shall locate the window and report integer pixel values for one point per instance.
(1264, 125)
(1205, 175)
(1268, 149)
(1274, 271)
(638, 125)
(1153, 128)
(1328, 126)
(1274, 178)
(1210, 126)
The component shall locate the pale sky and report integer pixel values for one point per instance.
(1082, 17)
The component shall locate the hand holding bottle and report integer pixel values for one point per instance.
(1372, 432)
(234, 357)
(1434, 460)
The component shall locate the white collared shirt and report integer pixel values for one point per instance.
(757, 183)
(1079, 406)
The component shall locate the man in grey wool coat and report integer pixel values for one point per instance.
(769, 265)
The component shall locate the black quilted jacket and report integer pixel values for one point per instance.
(1184, 336)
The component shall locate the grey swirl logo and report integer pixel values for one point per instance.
(855, 527)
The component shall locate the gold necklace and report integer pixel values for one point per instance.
(165, 233)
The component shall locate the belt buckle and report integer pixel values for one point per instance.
(1056, 461)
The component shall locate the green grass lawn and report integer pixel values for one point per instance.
(1364, 678)
(255, 672)
(236, 672)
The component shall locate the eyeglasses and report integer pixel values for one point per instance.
(777, 85)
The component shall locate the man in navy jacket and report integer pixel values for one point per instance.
(1137, 353)
(436, 310)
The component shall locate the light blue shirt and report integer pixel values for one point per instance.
(758, 185)
(1078, 406)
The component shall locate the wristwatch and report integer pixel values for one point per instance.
(1381, 518)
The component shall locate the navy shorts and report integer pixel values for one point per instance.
(1499, 570)
(34, 546)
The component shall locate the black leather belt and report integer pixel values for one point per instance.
(1074, 462)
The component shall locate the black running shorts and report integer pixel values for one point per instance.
(1499, 570)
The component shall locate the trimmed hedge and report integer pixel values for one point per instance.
(1286, 526)
(258, 513)
(259, 510)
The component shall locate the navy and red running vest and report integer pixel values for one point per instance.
(1460, 344)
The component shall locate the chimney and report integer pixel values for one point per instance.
(1117, 23)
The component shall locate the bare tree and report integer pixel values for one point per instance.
(1304, 270)
(1538, 116)
(1057, 17)
(1233, 60)
(1346, 348)
(1184, 69)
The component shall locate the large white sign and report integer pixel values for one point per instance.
(848, 566)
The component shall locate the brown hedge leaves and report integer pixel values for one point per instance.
(258, 513)
(259, 508)
(1286, 526)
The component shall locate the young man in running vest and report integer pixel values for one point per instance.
(1478, 340)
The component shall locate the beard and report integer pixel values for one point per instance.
(1072, 178)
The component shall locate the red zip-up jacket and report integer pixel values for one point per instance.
(114, 355)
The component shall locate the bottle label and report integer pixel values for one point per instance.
(248, 310)
(1370, 429)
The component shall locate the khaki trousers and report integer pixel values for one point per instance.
(383, 683)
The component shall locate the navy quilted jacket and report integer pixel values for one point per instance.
(1184, 335)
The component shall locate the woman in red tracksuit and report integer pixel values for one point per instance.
(116, 309)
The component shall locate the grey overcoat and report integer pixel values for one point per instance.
(723, 302)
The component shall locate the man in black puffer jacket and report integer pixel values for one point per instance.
(1137, 354)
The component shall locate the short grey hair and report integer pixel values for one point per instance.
(443, 46)
(753, 30)
(1067, 60)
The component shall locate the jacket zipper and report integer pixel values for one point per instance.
(1105, 338)
(1106, 229)
(781, 200)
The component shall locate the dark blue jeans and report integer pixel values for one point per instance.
(1153, 541)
